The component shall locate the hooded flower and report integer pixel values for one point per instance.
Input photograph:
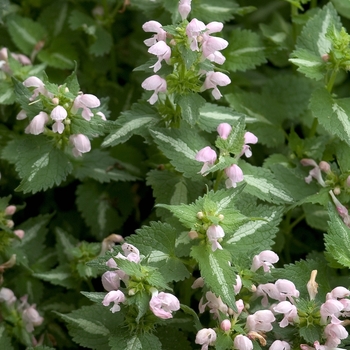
(234, 174)
(290, 313)
(205, 337)
(265, 260)
(215, 232)
(154, 27)
(249, 138)
(39, 87)
(131, 253)
(208, 157)
(156, 83)
(163, 304)
(224, 130)
(184, 8)
(313, 173)
(58, 114)
(242, 342)
(31, 318)
(81, 144)
(260, 321)
(116, 297)
(85, 101)
(162, 51)
(213, 80)
(37, 124)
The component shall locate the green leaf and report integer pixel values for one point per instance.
(60, 276)
(211, 115)
(7, 95)
(5, 340)
(172, 188)
(262, 184)
(157, 242)
(332, 114)
(95, 204)
(246, 51)
(99, 165)
(103, 42)
(257, 234)
(223, 341)
(235, 141)
(337, 239)
(169, 336)
(60, 54)
(216, 271)
(221, 10)
(137, 121)
(65, 246)
(91, 326)
(313, 43)
(343, 7)
(311, 333)
(127, 341)
(25, 33)
(190, 105)
(181, 147)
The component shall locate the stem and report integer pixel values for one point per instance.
(218, 179)
(313, 4)
(332, 79)
(313, 128)
(294, 13)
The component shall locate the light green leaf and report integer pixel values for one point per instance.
(5, 340)
(136, 121)
(65, 245)
(262, 184)
(210, 116)
(313, 43)
(25, 33)
(216, 271)
(157, 242)
(337, 239)
(91, 326)
(246, 51)
(60, 276)
(181, 147)
(332, 114)
(190, 105)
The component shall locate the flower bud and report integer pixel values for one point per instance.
(225, 325)
(325, 57)
(10, 223)
(348, 181)
(193, 234)
(10, 210)
(337, 191)
(19, 233)
(221, 217)
(200, 215)
(55, 101)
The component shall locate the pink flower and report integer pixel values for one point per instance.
(198, 283)
(10, 210)
(156, 83)
(31, 318)
(163, 304)
(213, 80)
(342, 210)
(162, 51)
(265, 290)
(205, 337)
(116, 297)
(131, 253)
(290, 313)
(265, 260)
(338, 293)
(37, 124)
(19, 233)
(215, 232)
(211, 45)
(334, 333)
(224, 130)
(248, 138)
(85, 101)
(331, 308)
(237, 287)
(184, 8)
(279, 345)
(58, 114)
(7, 296)
(242, 342)
(21, 115)
(313, 173)
(208, 156)
(225, 325)
(234, 174)
(111, 280)
(39, 87)
(286, 289)
(194, 32)
(215, 305)
(154, 27)
(240, 306)
(81, 144)
(260, 321)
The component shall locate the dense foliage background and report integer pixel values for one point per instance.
(287, 61)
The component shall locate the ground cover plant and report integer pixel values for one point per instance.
(174, 174)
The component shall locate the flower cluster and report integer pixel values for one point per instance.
(161, 304)
(208, 156)
(7, 222)
(4, 60)
(168, 47)
(60, 110)
(25, 312)
(246, 324)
